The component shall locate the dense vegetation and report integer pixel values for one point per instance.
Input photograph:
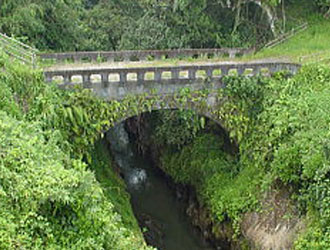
(148, 24)
(282, 128)
(49, 198)
(57, 190)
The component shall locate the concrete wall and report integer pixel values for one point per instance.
(142, 55)
(116, 83)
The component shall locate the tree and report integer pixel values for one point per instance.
(267, 6)
(46, 24)
(104, 25)
(179, 23)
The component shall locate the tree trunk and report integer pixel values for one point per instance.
(238, 16)
(283, 17)
(271, 17)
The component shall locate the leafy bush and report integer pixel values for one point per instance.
(204, 165)
(176, 127)
(282, 127)
(49, 201)
(48, 198)
(290, 141)
(196, 161)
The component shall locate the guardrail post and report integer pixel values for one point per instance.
(86, 78)
(209, 73)
(240, 70)
(232, 54)
(34, 60)
(48, 77)
(105, 77)
(224, 71)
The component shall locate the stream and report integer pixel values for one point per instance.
(160, 214)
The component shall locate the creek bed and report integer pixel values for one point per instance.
(161, 215)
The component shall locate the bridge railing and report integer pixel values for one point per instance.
(142, 55)
(175, 74)
(18, 50)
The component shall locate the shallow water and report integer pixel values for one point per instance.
(153, 202)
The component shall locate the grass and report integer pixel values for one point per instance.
(113, 186)
(309, 46)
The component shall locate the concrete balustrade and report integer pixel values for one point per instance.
(142, 55)
(116, 83)
(175, 71)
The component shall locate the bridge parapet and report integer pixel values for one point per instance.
(168, 73)
(142, 55)
(116, 83)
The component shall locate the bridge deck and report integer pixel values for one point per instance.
(156, 63)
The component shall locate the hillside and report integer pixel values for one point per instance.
(256, 177)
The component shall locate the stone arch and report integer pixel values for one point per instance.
(205, 107)
(230, 146)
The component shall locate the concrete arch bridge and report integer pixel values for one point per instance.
(116, 75)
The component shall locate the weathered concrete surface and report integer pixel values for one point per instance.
(116, 82)
(143, 55)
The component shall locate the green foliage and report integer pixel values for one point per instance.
(49, 201)
(290, 140)
(113, 186)
(324, 4)
(230, 196)
(176, 127)
(45, 24)
(197, 161)
(315, 238)
(77, 114)
(149, 33)
(310, 46)
(140, 24)
(104, 25)
(282, 127)
(66, 125)
(204, 165)
(243, 96)
(48, 198)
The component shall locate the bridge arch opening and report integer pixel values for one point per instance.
(136, 144)
(177, 127)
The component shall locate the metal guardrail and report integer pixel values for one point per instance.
(18, 50)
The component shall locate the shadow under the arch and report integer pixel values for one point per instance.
(156, 203)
